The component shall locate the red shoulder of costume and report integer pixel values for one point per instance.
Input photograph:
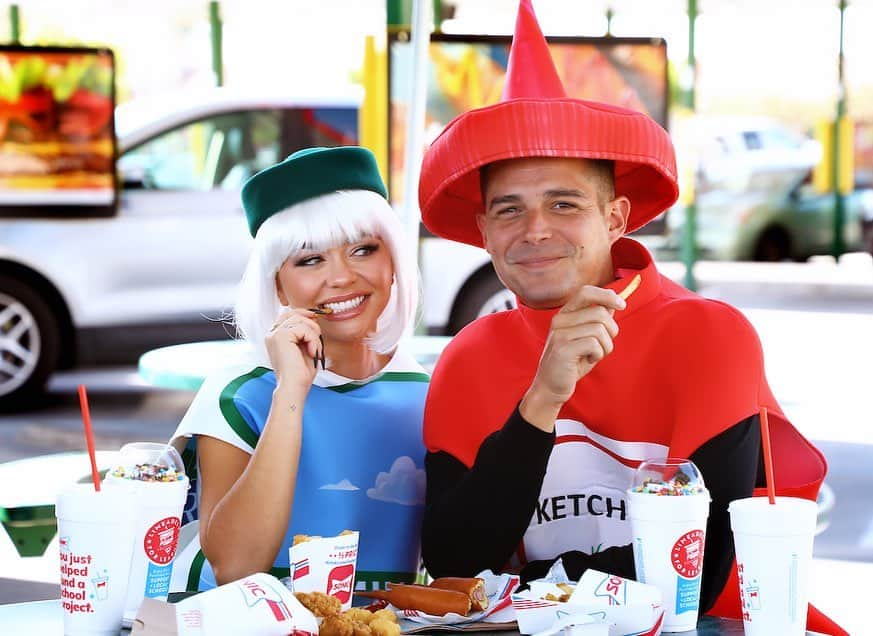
(716, 368)
(465, 402)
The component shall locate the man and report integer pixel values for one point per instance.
(537, 417)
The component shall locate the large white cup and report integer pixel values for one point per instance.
(159, 514)
(95, 535)
(669, 534)
(774, 550)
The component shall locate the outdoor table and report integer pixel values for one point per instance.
(46, 618)
(27, 506)
(185, 366)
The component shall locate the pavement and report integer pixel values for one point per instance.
(846, 284)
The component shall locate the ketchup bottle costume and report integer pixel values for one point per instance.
(686, 377)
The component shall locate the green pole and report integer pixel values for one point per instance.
(14, 24)
(437, 16)
(610, 14)
(399, 13)
(689, 233)
(215, 32)
(838, 246)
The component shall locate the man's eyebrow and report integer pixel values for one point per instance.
(506, 198)
(565, 192)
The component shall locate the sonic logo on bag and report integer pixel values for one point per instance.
(687, 554)
(161, 539)
(256, 593)
(614, 589)
(339, 582)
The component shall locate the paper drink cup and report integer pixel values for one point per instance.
(774, 549)
(153, 476)
(256, 604)
(668, 507)
(326, 564)
(95, 537)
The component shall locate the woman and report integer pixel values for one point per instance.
(320, 431)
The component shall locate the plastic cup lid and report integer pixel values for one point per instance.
(149, 462)
(668, 476)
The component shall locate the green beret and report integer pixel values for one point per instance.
(309, 173)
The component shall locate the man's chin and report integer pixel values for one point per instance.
(543, 298)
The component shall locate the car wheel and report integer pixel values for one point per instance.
(29, 343)
(482, 295)
(773, 246)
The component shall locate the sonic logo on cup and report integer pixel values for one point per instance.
(258, 593)
(687, 554)
(339, 582)
(161, 539)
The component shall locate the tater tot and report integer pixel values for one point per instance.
(336, 626)
(360, 629)
(358, 614)
(384, 627)
(385, 614)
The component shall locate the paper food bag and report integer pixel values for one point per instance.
(628, 607)
(325, 564)
(257, 605)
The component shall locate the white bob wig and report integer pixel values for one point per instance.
(320, 223)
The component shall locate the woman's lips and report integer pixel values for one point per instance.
(346, 308)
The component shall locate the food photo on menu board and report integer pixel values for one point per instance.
(468, 71)
(57, 139)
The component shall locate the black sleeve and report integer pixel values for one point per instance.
(474, 519)
(729, 464)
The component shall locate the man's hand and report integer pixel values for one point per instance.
(580, 336)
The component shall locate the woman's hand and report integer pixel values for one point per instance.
(293, 345)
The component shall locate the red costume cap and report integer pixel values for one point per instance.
(535, 118)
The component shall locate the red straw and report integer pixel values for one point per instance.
(89, 435)
(768, 456)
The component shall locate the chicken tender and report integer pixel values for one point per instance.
(319, 603)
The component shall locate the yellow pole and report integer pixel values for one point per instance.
(373, 115)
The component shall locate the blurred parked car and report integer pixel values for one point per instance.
(79, 291)
(779, 217)
(734, 149)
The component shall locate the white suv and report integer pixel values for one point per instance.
(88, 290)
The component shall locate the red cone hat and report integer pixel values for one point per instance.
(536, 119)
(530, 71)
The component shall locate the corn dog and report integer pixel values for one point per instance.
(472, 587)
(631, 287)
(429, 600)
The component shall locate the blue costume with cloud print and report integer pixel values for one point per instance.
(361, 461)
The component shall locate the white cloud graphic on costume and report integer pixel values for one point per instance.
(345, 484)
(403, 484)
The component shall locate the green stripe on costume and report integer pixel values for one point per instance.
(388, 376)
(231, 412)
(195, 571)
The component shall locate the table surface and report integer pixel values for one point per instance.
(46, 619)
(185, 366)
